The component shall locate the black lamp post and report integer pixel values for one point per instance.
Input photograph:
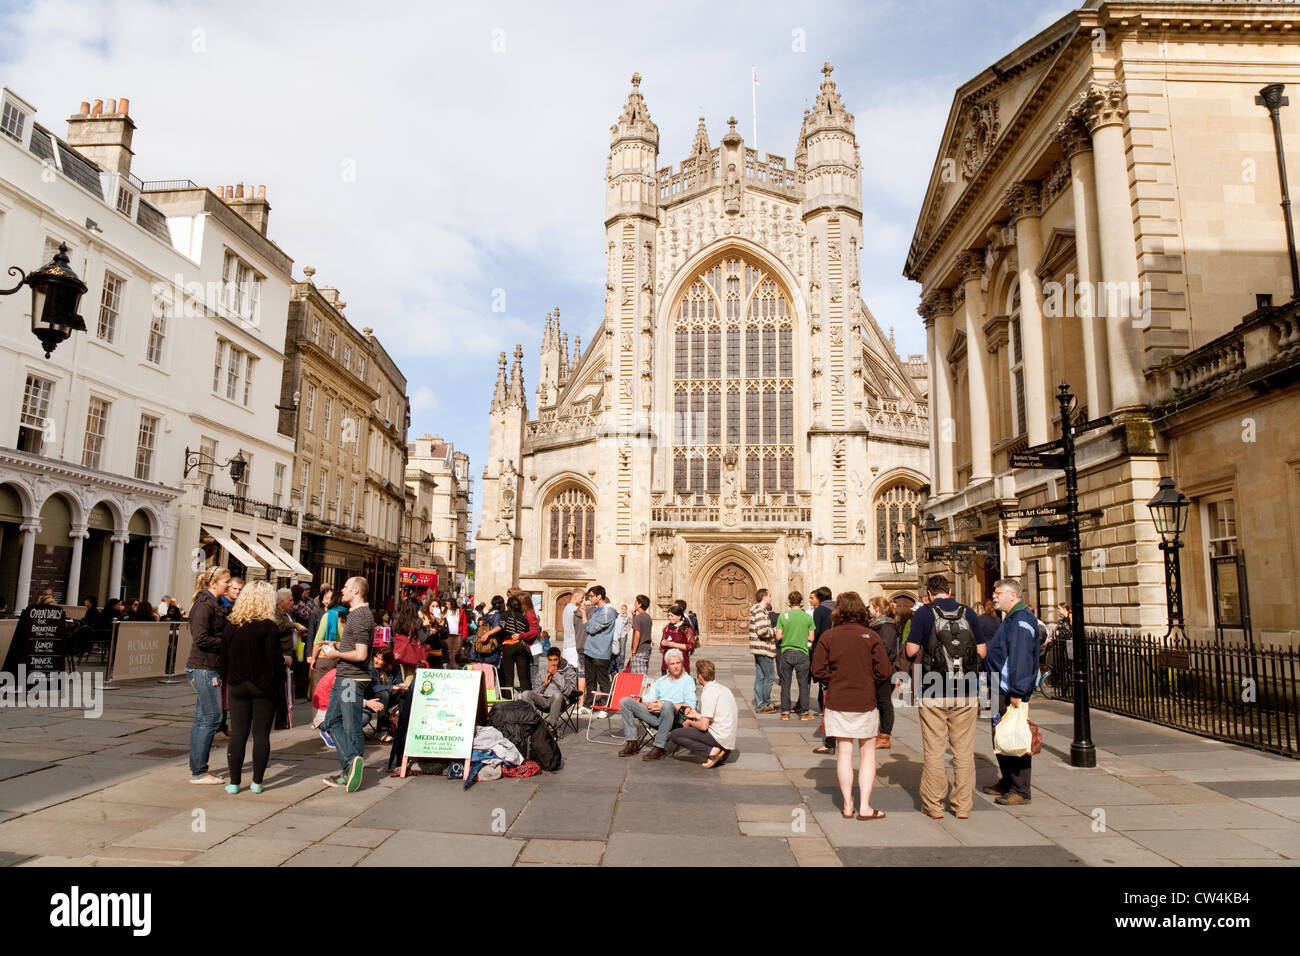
(1169, 510)
(56, 295)
(237, 464)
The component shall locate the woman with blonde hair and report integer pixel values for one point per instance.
(202, 669)
(252, 665)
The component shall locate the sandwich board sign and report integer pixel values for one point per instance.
(444, 705)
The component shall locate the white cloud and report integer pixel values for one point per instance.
(424, 400)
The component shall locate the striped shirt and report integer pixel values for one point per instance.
(762, 639)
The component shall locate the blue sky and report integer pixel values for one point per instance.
(421, 159)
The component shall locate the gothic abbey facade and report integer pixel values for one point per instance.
(740, 420)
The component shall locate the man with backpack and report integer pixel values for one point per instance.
(947, 645)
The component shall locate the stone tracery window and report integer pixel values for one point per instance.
(571, 528)
(733, 364)
(896, 513)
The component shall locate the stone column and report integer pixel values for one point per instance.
(1073, 137)
(1103, 111)
(28, 529)
(159, 570)
(970, 266)
(115, 565)
(936, 309)
(1023, 205)
(78, 534)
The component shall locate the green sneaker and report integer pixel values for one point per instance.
(335, 781)
(354, 774)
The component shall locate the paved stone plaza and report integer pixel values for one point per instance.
(115, 791)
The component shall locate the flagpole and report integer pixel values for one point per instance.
(753, 71)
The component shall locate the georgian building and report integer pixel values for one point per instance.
(345, 402)
(439, 477)
(94, 498)
(739, 420)
(1103, 212)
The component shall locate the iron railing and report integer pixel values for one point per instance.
(249, 506)
(1234, 693)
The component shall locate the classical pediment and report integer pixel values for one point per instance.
(1058, 252)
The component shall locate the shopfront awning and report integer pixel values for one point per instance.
(240, 552)
(295, 566)
(264, 554)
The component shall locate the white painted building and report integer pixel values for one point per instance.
(185, 316)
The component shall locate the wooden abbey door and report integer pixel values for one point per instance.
(726, 613)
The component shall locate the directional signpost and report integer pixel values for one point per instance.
(1059, 454)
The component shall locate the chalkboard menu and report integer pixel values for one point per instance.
(50, 566)
(44, 638)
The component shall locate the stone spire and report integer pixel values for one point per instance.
(577, 350)
(564, 359)
(828, 110)
(515, 395)
(499, 393)
(701, 144)
(635, 122)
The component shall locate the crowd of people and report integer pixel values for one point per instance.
(252, 646)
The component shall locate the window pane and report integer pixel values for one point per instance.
(714, 474)
(733, 416)
(769, 417)
(681, 353)
(787, 353)
(769, 353)
(589, 541)
(751, 471)
(751, 353)
(697, 418)
(715, 353)
(697, 354)
(679, 418)
(679, 473)
(715, 417)
(733, 353)
(697, 474)
(787, 417)
(882, 535)
(753, 422)
(787, 472)
(769, 473)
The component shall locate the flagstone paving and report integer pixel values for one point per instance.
(114, 791)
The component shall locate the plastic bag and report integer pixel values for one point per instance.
(1013, 736)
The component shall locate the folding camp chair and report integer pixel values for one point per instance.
(625, 685)
(569, 715)
(492, 683)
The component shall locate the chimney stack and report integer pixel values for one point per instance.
(103, 137)
(255, 210)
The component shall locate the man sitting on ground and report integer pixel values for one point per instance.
(553, 687)
(661, 710)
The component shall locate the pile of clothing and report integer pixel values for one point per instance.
(493, 756)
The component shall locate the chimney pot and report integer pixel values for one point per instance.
(98, 108)
(261, 192)
(85, 107)
(111, 107)
(239, 191)
(123, 106)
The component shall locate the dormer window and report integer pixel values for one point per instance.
(13, 122)
(125, 201)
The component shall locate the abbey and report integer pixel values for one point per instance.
(740, 420)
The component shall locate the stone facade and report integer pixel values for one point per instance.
(1103, 209)
(740, 420)
(439, 477)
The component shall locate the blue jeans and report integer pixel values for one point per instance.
(633, 710)
(343, 719)
(764, 675)
(207, 716)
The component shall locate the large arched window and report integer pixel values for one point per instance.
(571, 526)
(733, 387)
(896, 512)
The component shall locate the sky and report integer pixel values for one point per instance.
(443, 164)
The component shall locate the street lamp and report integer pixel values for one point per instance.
(933, 531)
(1169, 510)
(56, 295)
(237, 464)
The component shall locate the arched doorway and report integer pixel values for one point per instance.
(728, 598)
(52, 558)
(135, 556)
(11, 520)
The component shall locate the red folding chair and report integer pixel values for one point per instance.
(625, 685)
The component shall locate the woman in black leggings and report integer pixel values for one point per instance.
(253, 668)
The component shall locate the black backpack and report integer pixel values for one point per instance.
(516, 720)
(544, 747)
(952, 648)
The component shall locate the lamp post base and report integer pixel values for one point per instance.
(1083, 754)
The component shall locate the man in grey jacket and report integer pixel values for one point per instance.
(553, 687)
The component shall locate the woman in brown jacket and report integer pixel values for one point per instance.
(851, 658)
